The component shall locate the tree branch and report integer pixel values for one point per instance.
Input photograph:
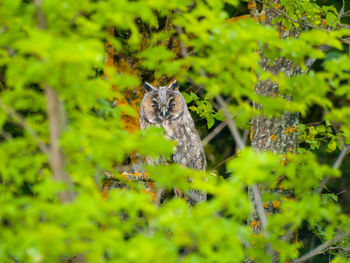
(340, 15)
(215, 132)
(230, 122)
(55, 124)
(341, 157)
(259, 207)
(321, 248)
(338, 248)
(26, 126)
(335, 165)
(56, 155)
(241, 145)
(222, 162)
(6, 135)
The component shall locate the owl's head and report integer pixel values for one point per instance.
(162, 103)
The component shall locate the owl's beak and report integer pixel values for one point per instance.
(163, 111)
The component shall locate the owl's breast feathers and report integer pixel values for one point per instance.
(189, 150)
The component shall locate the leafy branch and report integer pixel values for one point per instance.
(303, 23)
(321, 248)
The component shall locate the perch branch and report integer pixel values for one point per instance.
(230, 122)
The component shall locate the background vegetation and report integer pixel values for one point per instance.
(71, 75)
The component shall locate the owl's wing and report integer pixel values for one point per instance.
(196, 196)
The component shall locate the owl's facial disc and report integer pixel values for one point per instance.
(162, 104)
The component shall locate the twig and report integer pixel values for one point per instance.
(230, 122)
(26, 126)
(215, 132)
(339, 248)
(6, 135)
(222, 162)
(321, 248)
(340, 15)
(341, 192)
(341, 157)
(345, 25)
(335, 165)
(313, 123)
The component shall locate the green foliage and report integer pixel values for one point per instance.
(127, 226)
(203, 108)
(307, 12)
(314, 136)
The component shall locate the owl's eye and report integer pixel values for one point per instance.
(171, 102)
(155, 102)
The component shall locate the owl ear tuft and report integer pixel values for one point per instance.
(174, 85)
(148, 87)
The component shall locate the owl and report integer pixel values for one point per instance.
(166, 107)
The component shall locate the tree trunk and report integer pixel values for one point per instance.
(277, 134)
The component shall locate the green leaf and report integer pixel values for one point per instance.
(332, 145)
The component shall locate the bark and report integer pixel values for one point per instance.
(278, 134)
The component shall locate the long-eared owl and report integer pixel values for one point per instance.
(166, 107)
